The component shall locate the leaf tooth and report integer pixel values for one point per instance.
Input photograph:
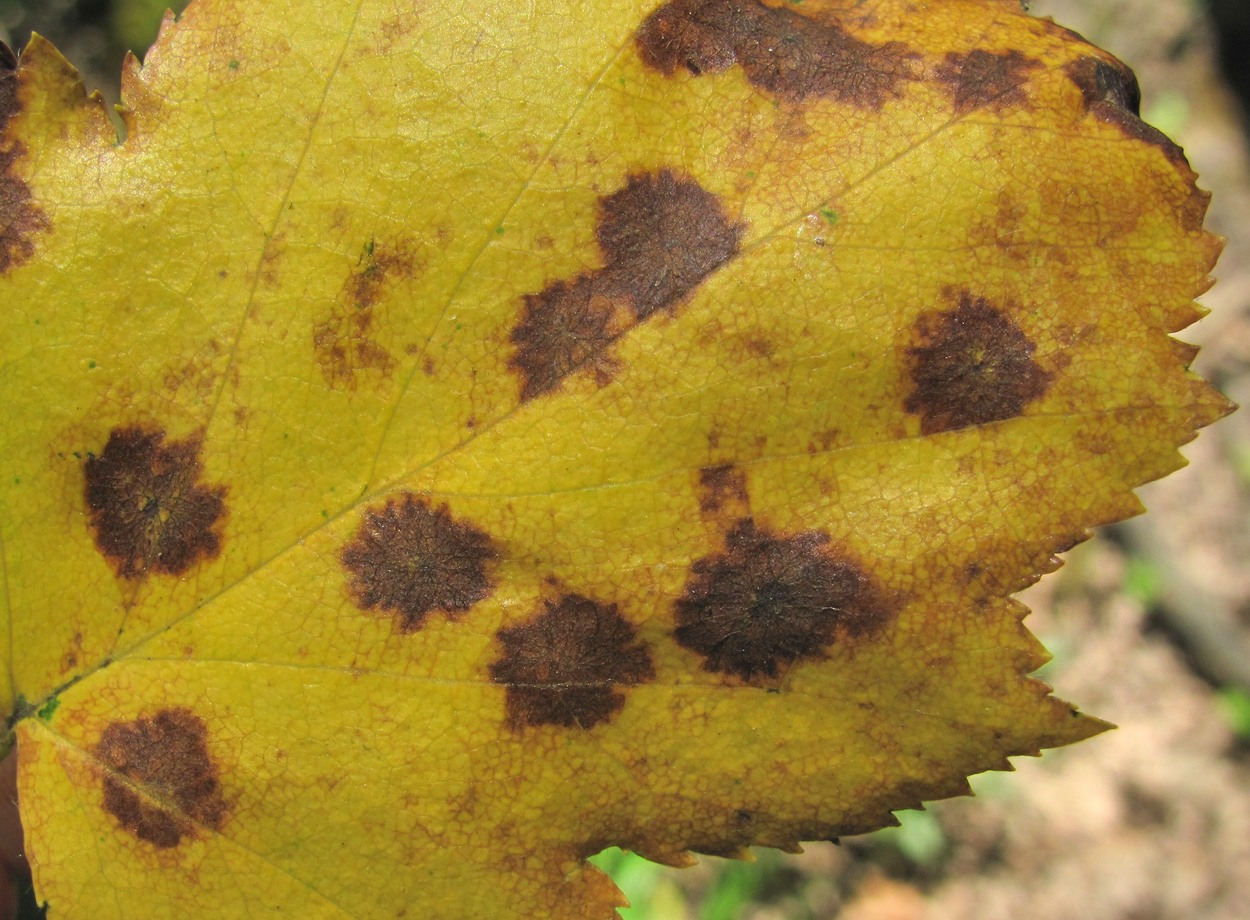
(55, 85)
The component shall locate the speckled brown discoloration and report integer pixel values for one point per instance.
(721, 488)
(985, 79)
(20, 218)
(345, 342)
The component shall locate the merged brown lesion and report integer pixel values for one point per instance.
(148, 508)
(160, 781)
(569, 664)
(410, 559)
(974, 365)
(567, 327)
(660, 236)
(780, 49)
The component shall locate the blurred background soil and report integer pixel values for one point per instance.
(1149, 622)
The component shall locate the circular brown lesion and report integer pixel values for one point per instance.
(160, 781)
(770, 600)
(567, 665)
(410, 559)
(147, 507)
(974, 366)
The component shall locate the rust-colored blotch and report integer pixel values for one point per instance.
(981, 79)
(410, 559)
(568, 664)
(771, 600)
(161, 783)
(147, 507)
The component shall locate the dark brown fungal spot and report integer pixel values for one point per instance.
(722, 487)
(770, 600)
(780, 50)
(566, 665)
(147, 507)
(565, 328)
(1112, 95)
(975, 367)
(661, 236)
(20, 219)
(409, 560)
(981, 79)
(161, 783)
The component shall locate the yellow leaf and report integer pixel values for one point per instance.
(442, 442)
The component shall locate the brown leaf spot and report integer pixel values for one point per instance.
(771, 600)
(147, 508)
(408, 559)
(722, 487)
(983, 79)
(1112, 95)
(661, 235)
(975, 367)
(779, 49)
(162, 784)
(20, 219)
(565, 328)
(565, 666)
